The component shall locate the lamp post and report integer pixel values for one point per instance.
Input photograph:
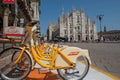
(100, 17)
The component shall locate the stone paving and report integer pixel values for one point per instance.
(105, 56)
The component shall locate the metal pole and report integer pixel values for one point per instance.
(100, 17)
(100, 28)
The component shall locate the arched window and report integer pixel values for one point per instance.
(78, 37)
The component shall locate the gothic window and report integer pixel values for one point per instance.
(91, 31)
(86, 38)
(75, 28)
(78, 19)
(79, 37)
(78, 27)
(70, 31)
(66, 24)
(65, 31)
(85, 27)
(86, 31)
(91, 38)
(70, 26)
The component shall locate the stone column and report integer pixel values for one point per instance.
(5, 17)
(68, 29)
(83, 33)
(89, 27)
(95, 36)
(74, 25)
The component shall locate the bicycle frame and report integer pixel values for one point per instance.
(37, 58)
(51, 60)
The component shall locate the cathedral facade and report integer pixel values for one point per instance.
(74, 26)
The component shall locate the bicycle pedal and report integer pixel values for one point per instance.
(42, 71)
(49, 70)
(39, 70)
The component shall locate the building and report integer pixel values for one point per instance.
(51, 31)
(74, 26)
(19, 12)
(43, 38)
(112, 35)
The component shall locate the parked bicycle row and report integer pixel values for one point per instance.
(17, 62)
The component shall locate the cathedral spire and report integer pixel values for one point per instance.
(62, 11)
(73, 8)
(82, 10)
(93, 21)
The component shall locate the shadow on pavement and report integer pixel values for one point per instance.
(42, 75)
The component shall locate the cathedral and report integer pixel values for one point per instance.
(74, 26)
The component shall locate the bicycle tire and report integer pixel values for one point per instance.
(74, 73)
(20, 70)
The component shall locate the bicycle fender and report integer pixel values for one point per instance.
(30, 57)
(74, 52)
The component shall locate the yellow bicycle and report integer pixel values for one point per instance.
(70, 63)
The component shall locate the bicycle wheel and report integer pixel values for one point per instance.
(76, 73)
(8, 71)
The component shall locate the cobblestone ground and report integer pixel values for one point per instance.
(105, 56)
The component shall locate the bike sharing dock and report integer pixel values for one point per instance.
(93, 74)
